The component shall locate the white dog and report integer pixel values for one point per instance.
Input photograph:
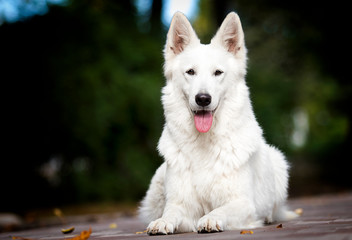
(219, 173)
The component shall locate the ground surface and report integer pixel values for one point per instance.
(324, 217)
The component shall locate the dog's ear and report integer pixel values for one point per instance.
(230, 34)
(180, 35)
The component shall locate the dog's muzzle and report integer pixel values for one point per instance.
(203, 119)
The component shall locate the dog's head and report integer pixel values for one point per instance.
(205, 73)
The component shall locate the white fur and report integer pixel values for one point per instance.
(229, 177)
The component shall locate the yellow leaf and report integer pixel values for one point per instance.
(21, 238)
(299, 211)
(142, 232)
(246, 232)
(68, 230)
(113, 225)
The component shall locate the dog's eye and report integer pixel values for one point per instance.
(218, 72)
(191, 72)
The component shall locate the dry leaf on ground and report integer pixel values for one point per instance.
(21, 238)
(299, 211)
(279, 226)
(67, 230)
(246, 232)
(112, 225)
(83, 236)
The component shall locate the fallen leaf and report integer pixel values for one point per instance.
(21, 238)
(113, 225)
(299, 211)
(83, 236)
(246, 232)
(67, 230)
(279, 226)
(142, 232)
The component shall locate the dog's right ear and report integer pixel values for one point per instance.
(180, 35)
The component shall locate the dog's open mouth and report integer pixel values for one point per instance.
(203, 120)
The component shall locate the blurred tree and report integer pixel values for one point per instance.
(84, 86)
(155, 18)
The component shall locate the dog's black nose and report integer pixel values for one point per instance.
(203, 99)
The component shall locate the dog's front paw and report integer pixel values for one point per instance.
(160, 227)
(209, 225)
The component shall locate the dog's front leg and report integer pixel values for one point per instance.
(234, 215)
(179, 208)
(168, 223)
(175, 219)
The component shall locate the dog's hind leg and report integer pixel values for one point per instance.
(153, 204)
(281, 167)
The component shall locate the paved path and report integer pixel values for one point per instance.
(324, 217)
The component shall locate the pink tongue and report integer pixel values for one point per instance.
(203, 121)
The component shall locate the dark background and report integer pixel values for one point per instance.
(81, 96)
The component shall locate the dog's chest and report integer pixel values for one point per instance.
(212, 187)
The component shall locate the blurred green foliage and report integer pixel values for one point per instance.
(108, 93)
(82, 94)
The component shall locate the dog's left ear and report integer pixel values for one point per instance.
(230, 34)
